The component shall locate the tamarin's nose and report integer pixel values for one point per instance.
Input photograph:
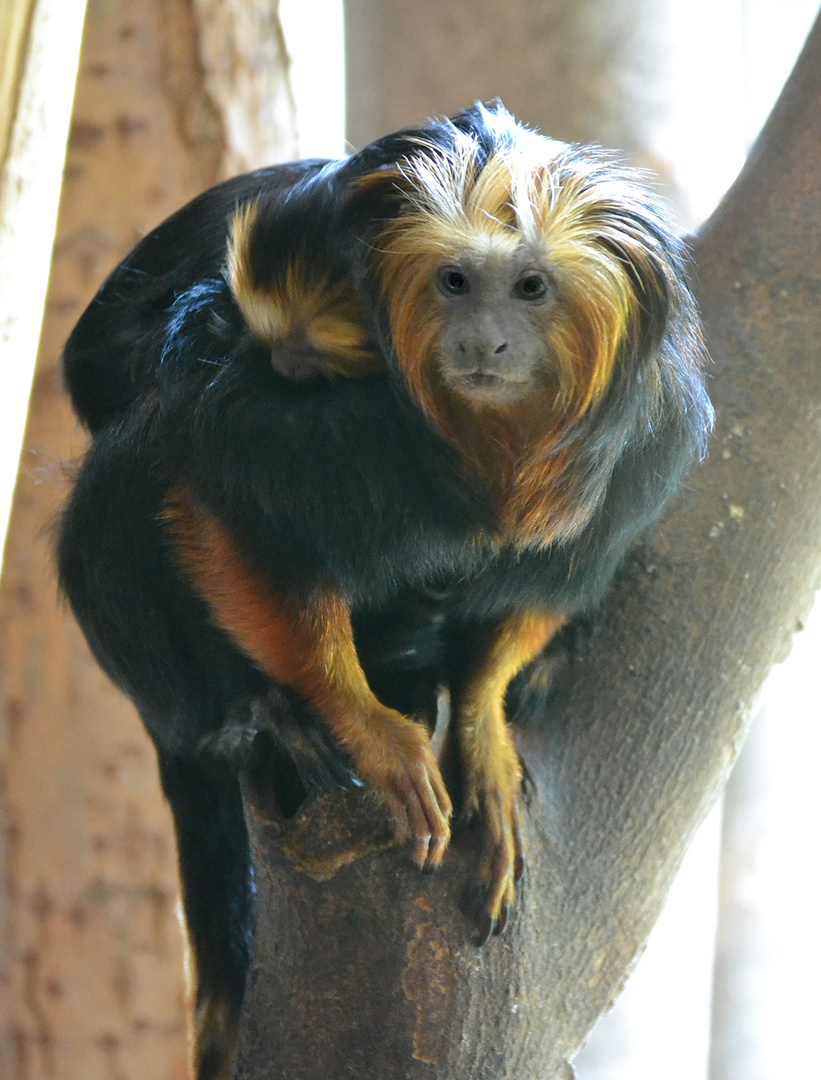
(491, 347)
(483, 342)
(493, 341)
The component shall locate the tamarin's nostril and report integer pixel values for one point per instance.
(501, 348)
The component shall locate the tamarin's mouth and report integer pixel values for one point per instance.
(488, 386)
(480, 385)
(483, 378)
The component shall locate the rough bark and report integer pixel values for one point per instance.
(362, 967)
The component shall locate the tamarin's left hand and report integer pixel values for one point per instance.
(363, 429)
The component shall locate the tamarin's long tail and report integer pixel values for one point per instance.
(217, 891)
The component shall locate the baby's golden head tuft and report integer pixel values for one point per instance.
(298, 306)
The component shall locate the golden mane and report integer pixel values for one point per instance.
(577, 212)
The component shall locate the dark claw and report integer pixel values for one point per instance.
(501, 922)
(528, 783)
(485, 928)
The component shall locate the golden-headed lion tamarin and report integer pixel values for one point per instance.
(363, 429)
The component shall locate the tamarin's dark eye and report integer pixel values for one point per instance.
(453, 282)
(531, 287)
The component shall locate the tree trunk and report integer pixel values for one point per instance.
(363, 968)
(39, 46)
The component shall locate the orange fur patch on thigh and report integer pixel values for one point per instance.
(307, 647)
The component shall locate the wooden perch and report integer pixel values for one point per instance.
(362, 967)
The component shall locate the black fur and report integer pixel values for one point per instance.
(337, 483)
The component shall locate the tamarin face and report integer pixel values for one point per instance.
(520, 277)
(494, 307)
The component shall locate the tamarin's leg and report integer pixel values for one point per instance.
(492, 772)
(215, 875)
(311, 648)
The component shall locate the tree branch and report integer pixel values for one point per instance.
(372, 972)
